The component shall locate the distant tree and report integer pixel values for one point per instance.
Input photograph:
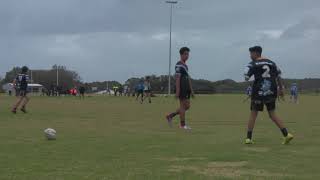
(11, 75)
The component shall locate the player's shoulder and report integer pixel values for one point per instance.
(179, 63)
(270, 61)
(264, 61)
(251, 64)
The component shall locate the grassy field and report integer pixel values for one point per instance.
(110, 138)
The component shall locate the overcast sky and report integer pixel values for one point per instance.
(117, 39)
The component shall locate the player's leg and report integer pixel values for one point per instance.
(170, 116)
(273, 116)
(184, 107)
(145, 95)
(182, 113)
(149, 96)
(18, 102)
(256, 106)
(138, 95)
(251, 123)
(271, 106)
(142, 97)
(24, 104)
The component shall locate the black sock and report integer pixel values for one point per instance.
(249, 134)
(172, 115)
(284, 132)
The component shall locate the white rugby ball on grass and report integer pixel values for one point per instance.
(50, 134)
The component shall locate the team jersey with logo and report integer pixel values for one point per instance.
(265, 73)
(294, 90)
(22, 81)
(183, 71)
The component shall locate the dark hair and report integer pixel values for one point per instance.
(24, 69)
(257, 49)
(184, 49)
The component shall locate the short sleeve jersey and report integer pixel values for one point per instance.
(294, 89)
(147, 86)
(140, 87)
(265, 73)
(22, 81)
(183, 70)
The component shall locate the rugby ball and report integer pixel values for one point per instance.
(50, 134)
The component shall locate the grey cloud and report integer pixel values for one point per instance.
(116, 39)
(301, 29)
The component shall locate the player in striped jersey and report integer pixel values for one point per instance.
(21, 86)
(183, 89)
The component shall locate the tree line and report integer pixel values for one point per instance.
(68, 79)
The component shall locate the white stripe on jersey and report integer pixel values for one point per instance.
(181, 66)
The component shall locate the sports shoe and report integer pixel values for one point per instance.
(286, 140)
(14, 111)
(169, 119)
(185, 127)
(248, 141)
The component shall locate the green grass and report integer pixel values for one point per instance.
(110, 138)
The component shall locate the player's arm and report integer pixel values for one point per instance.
(280, 83)
(28, 79)
(178, 79)
(248, 72)
(191, 88)
(281, 86)
(14, 82)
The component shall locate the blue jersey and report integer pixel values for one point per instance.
(140, 87)
(294, 90)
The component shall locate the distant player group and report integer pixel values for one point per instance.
(267, 87)
(143, 90)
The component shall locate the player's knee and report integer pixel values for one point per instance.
(271, 115)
